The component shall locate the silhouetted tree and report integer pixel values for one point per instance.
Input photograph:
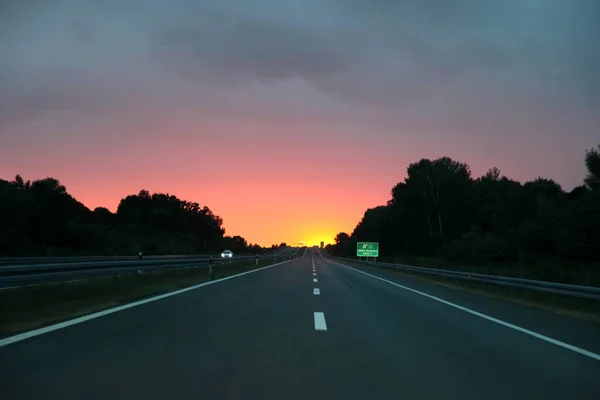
(237, 244)
(440, 211)
(592, 162)
(342, 241)
(41, 218)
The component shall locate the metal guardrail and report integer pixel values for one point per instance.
(81, 265)
(33, 274)
(13, 261)
(586, 292)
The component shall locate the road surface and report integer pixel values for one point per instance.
(271, 334)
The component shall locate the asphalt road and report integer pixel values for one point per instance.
(268, 335)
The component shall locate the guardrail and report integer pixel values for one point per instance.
(34, 274)
(13, 261)
(586, 292)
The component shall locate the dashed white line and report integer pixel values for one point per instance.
(315, 280)
(316, 291)
(314, 274)
(320, 324)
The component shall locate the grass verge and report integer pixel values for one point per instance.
(551, 270)
(26, 308)
(585, 309)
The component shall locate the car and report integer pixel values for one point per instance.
(227, 254)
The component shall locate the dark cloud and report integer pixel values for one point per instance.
(58, 92)
(439, 12)
(263, 51)
(379, 53)
(408, 72)
(396, 51)
(20, 103)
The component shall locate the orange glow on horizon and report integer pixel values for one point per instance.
(267, 187)
(279, 155)
(316, 239)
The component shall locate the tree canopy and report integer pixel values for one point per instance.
(42, 218)
(441, 212)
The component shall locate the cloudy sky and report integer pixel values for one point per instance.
(288, 118)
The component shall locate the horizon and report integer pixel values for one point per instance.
(303, 114)
(315, 238)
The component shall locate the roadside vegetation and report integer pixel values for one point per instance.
(41, 218)
(440, 216)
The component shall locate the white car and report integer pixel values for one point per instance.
(227, 254)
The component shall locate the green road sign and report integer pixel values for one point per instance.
(367, 249)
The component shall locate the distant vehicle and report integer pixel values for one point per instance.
(227, 254)
(316, 251)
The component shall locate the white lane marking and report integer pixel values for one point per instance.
(536, 335)
(315, 280)
(313, 262)
(10, 287)
(50, 328)
(316, 291)
(320, 324)
(314, 274)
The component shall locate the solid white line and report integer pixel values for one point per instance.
(10, 287)
(51, 328)
(316, 291)
(315, 280)
(320, 324)
(486, 317)
(313, 262)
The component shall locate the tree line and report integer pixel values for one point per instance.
(41, 218)
(441, 215)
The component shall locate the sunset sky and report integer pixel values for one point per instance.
(290, 118)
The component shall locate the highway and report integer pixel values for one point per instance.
(364, 334)
(57, 269)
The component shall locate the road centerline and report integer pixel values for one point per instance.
(320, 324)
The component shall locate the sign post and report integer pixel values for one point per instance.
(367, 249)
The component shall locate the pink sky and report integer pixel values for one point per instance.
(290, 119)
(269, 183)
